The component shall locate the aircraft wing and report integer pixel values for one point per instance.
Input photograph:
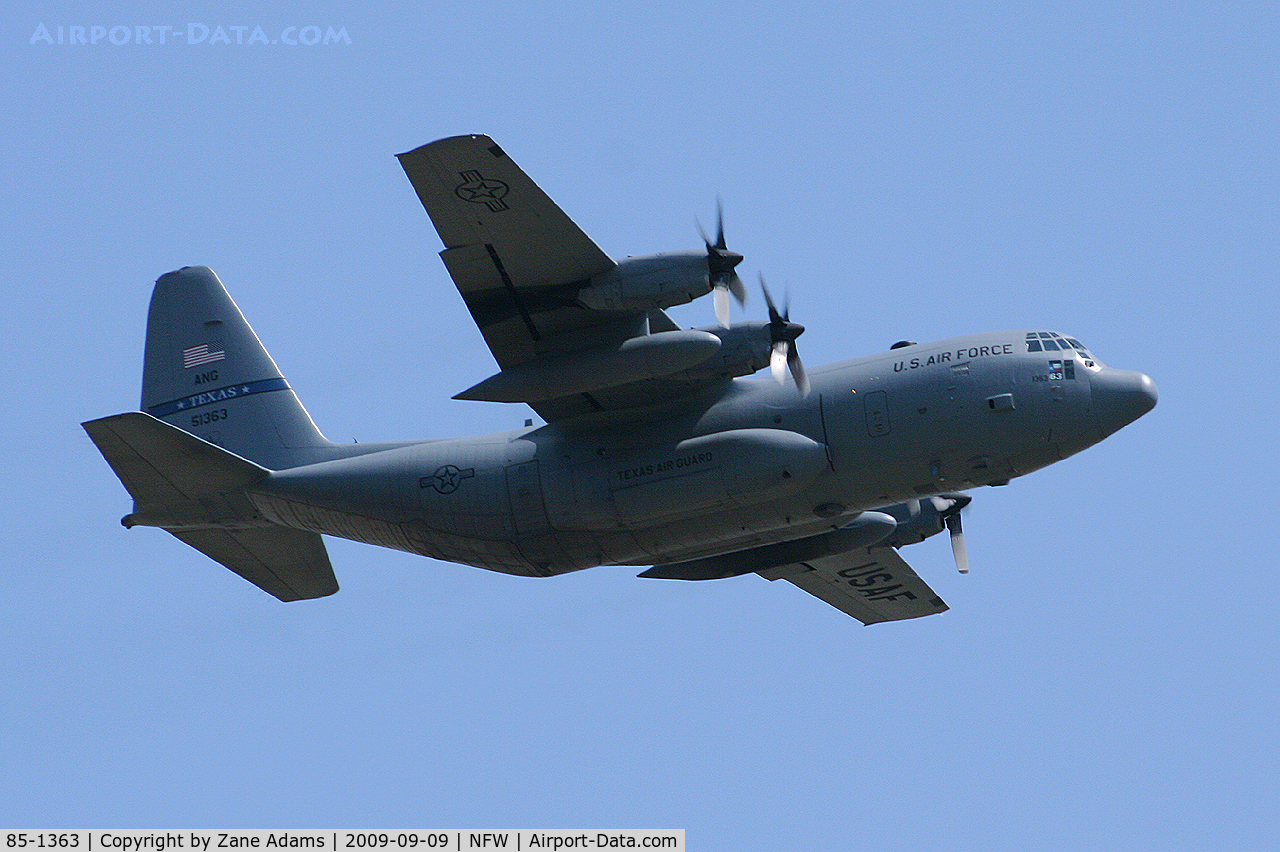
(872, 584)
(514, 255)
(519, 262)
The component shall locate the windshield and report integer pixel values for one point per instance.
(1051, 341)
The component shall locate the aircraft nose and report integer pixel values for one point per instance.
(1121, 397)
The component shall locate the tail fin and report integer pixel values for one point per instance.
(196, 491)
(207, 373)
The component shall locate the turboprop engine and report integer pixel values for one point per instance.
(649, 282)
(656, 281)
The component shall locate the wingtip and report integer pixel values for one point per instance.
(462, 137)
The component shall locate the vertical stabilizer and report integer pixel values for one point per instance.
(207, 373)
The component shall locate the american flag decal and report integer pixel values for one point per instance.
(205, 353)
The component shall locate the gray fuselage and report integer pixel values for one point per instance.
(746, 463)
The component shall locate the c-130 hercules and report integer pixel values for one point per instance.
(657, 450)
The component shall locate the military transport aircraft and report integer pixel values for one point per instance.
(657, 449)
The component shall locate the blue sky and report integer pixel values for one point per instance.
(1106, 677)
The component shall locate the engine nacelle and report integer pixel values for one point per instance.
(919, 519)
(744, 349)
(649, 282)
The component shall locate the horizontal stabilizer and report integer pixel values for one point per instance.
(293, 565)
(162, 464)
(195, 490)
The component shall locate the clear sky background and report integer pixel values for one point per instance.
(1107, 675)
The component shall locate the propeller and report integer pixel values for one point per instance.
(720, 265)
(958, 549)
(783, 334)
(951, 514)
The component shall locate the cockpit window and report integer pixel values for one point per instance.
(1078, 345)
(1051, 341)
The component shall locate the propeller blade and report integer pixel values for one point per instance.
(720, 266)
(702, 233)
(774, 316)
(958, 549)
(783, 333)
(950, 503)
(778, 361)
(721, 296)
(797, 370)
